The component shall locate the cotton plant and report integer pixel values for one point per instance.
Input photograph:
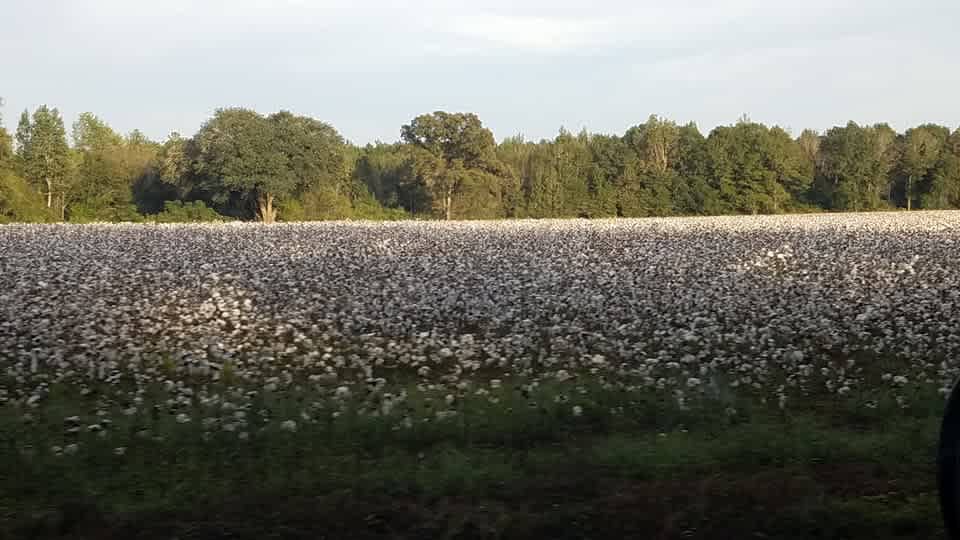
(214, 322)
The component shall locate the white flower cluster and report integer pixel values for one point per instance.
(779, 305)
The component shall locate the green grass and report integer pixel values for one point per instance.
(824, 470)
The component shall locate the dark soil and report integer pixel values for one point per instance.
(850, 501)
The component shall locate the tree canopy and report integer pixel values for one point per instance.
(448, 165)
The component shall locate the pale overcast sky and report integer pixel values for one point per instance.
(367, 67)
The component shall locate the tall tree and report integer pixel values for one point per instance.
(447, 147)
(753, 168)
(921, 151)
(606, 165)
(91, 134)
(656, 143)
(856, 166)
(43, 151)
(109, 170)
(383, 169)
(695, 194)
(240, 154)
(6, 148)
(24, 130)
(809, 144)
(317, 157)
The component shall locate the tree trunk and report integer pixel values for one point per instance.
(447, 203)
(909, 192)
(49, 193)
(265, 209)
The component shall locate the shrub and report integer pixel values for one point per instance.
(19, 202)
(186, 212)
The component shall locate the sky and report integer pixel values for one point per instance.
(525, 67)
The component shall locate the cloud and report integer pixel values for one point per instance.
(533, 33)
(531, 65)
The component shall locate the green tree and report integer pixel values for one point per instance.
(386, 171)
(694, 194)
(655, 142)
(43, 151)
(109, 169)
(648, 183)
(921, 152)
(452, 154)
(90, 134)
(6, 148)
(944, 184)
(19, 201)
(22, 137)
(606, 167)
(265, 162)
(750, 167)
(573, 164)
(239, 153)
(541, 185)
(856, 162)
(314, 150)
(809, 145)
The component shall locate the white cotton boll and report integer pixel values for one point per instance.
(577, 410)
(120, 451)
(288, 426)
(183, 418)
(71, 449)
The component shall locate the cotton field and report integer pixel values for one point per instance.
(239, 329)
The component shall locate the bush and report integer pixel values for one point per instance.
(19, 202)
(187, 212)
(327, 203)
(87, 212)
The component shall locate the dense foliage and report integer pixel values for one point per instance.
(286, 167)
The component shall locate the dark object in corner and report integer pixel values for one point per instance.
(948, 465)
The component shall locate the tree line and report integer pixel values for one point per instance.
(245, 165)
